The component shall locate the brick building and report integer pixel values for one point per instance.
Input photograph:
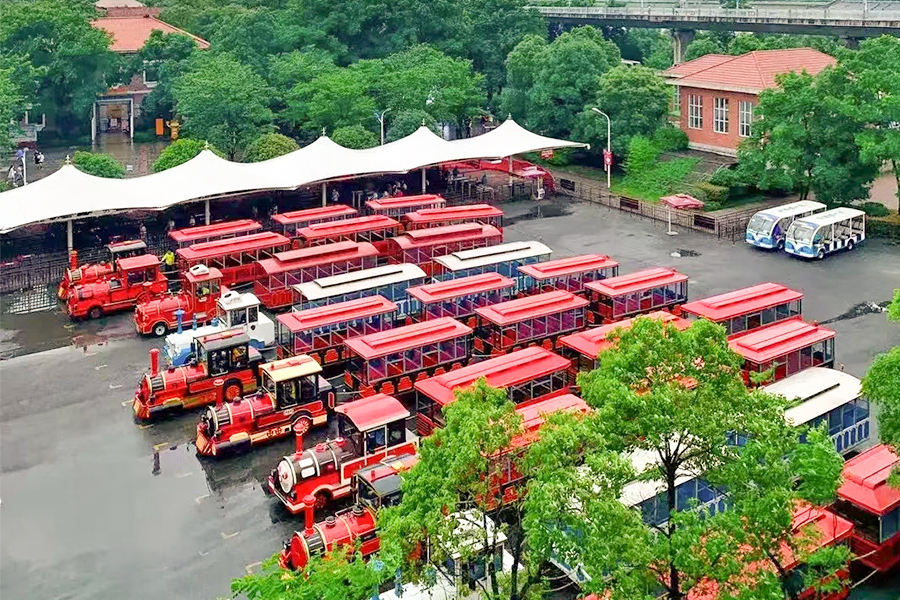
(715, 94)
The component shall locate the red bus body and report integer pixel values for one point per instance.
(375, 229)
(873, 506)
(529, 321)
(292, 221)
(749, 308)
(788, 346)
(422, 246)
(200, 291)
(134, 279)
(392, 361)
(585, 347)
(371, 429)
(237, 259)
(96, 271)
(458, 298)
(527, 375)
(293, 397)
(568, 274)
(397, 207)
(453, 215)
(286, 269)
(320, 332)
(216, 231)
(637, 293)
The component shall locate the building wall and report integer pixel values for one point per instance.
(706, 138)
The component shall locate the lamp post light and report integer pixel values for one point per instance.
(381, 121)
(607, 157)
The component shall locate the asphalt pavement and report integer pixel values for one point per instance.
(95, 506)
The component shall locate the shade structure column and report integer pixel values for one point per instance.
(69, 235)
(324, 193)
(206, 211)
(423, 180)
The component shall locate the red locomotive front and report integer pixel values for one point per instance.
(197, 300)
(134, 279)
(293, 396)
(226, 368)
(88, 273)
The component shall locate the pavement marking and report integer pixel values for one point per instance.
(128, 402)
(183, 475)
(160, 446)
(202, 553)
(198, 499)
(86, 354)
(249, 568)
(98, 367)
(228, 536)
(115, 387)
(145, 426)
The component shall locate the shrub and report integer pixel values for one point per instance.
(100, 165)
(715, 193)
(406, 122)
(144, 137)
(874, 209)
(642, 155)
(712, 205)
(354, 136)
(670, 138)
(180, 151)
(269, 145)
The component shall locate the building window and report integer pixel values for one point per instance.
(695, 111)
(151, 73)
(745, 110)
(720, 115)
(676, 101)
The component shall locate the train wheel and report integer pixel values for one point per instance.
(233, 390)
(160, 329)
(302, 425)
(95, 313)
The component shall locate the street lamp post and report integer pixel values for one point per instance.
(381, 121)
(22, 153)
(607, 160)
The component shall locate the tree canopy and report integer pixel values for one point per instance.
(355, 136)
(882, 386)
(269, 145)
(101, 165)
(180, 151)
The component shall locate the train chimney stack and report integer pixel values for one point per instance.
(309, 515)
(298, 437)
(179, 314)
(154, 362)
(73, 259)
(220, 391)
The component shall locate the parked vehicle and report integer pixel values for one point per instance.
(293, 221)
(787, 347)
(826, 232)
(201, 234)
(135, 279)
(78, 275)
(768, 227)
(237, 258)
(453, 215)
(458, 298)
(568, 274)
(397, 207)
(636, 293)
(747, 309)
(504, 259)
(196, 301)
(422, 246)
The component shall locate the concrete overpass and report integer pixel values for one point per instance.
(841, 21)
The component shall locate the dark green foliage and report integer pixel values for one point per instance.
(642, 155)
(669, 138)
(702, 47)
(407, 122)
(170, 56)
(882, 385)
(269, 145)
(873, 209)
(355, 136)
(714, 193)
(180, 151)
(101, 165)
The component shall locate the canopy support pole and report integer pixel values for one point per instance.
(69, 235)
(324, 192)
(423, 180)
(206, 211)
(509, 170)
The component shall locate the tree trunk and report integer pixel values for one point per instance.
(895, 167)
(783, 577)
(674, 578)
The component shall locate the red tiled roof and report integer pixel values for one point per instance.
(131, 33)
(751, 72)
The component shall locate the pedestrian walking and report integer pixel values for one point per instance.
(11, 176)
(39, 159)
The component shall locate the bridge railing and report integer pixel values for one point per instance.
(822, 14)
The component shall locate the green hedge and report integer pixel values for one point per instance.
(888, 227)
(714, 193)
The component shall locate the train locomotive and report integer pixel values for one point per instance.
(90, 272)
(133, 280)
(293, 395)
(200, 289)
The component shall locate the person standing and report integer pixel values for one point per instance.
(143, 232)
(335, 196)
(11, 176)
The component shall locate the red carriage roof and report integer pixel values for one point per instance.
(454, 288)
(388, 467)
(419, 238)
(592, 342)
(568, 266)
(865, 480)
(739, 302)
(510, 369)
(635, 282)
(336, 313)
(347, 226)
(534, 415)
(451, 213)
(529, 307)
(143, 261)
(309, 214)
(778, 339)
(247, 243)
(374, 411)
(204, 231)
(291, 260)
(407, 337)
(404, 201)
(210, 273)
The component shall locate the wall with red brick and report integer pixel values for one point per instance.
(706, 138)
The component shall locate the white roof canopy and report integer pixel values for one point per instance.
(71, 194)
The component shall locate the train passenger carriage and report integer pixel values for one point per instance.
(504, 259)
(397, 207)
(215, 231)
(422, 246)
(453, 215)
(569, 274)
(91, 272)
(585, 347)
(629, 295)
(458, 298)
(292, 221)
(873, 506)
(285, 269)
(237, 258)
(390, 362)
(390, 281)
(375, 229)
(788, 346)
(371, 430)
(747, 309)
(821, 395)
(529, 321)
(321, 332)
(527, 375)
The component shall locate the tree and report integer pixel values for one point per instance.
(167, 56)
(522, 66)
(12, 102)
(882, 386)
(354, 136)
(408, 122)
(269, 145)
(224, 102)
(100, 165)
(180, 151)
(337, 98)
(71, 57)
(702, 47)
(655, 46)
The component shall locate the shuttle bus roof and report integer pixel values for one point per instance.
(794, 208)
(452, 213)
(529, 307)
(317, 231)
(866, 480)
(314, 214)
(739, 302)
(287, 369)
(246, 243)
(321, 316)
(374, 411)
(292, 260)
(830, 217)
(816, 391)
(480, 257)
(419, 238)
(405, 201)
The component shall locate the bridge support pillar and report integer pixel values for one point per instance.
(682, 38)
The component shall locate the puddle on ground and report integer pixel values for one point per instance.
(540, 211)
(683, 253)
(863, 308)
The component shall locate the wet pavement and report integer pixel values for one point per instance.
(95, 506)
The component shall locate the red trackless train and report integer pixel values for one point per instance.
(134, 279)
(200, 291)
(96, 271)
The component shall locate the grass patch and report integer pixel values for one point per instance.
(660, 180)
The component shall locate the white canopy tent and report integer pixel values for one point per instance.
(70, 194)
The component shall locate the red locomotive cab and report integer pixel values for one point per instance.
(226, 357)
(135, 279)
(88, 273)
(371, 429)
(200, 290)
(293, 397)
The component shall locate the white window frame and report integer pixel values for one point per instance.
(695, 111)
(720, 114)
(745, 118)
(149, 83)
(676, 102)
